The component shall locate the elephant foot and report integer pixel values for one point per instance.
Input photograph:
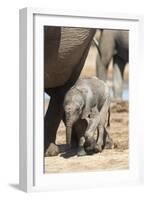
(90, 146)
(81, 151)
(109, 145)
(52, 150)
(98, 148)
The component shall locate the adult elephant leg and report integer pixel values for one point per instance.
(55, 110)
(105, 53)
(101, 71)
(51, 122)
(118, 77)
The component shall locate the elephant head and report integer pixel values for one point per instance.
(73, 107)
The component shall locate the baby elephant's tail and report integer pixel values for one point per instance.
(108, 122)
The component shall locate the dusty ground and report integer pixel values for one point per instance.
(112, 159)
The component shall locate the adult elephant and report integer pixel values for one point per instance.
(113, 44)
(65, 51)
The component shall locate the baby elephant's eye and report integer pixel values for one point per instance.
(78, 110)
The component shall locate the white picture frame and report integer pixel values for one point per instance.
(31, 175)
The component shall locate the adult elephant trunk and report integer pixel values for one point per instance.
(68, 134)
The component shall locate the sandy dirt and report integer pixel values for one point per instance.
(112, 159)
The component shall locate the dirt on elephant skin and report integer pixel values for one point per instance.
(108, 159)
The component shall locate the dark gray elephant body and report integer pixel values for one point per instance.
(65, 48)
(65, 51)
(113, 44)
(86, 106)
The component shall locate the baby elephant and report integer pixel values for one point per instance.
(86, 106)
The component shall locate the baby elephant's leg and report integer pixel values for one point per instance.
(81, 150)
(80, 127)
(90, 146)
(104, 140)
(108, 141)
(100, 141)
(93, 122)
(101, 126)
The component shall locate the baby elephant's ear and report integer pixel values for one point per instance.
(85, 122)
(85, 113)
(85, 116)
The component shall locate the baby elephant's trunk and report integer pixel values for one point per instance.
(68, 134)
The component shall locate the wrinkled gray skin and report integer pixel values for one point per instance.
(87, 100)
(65, 51)
(113, 44)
